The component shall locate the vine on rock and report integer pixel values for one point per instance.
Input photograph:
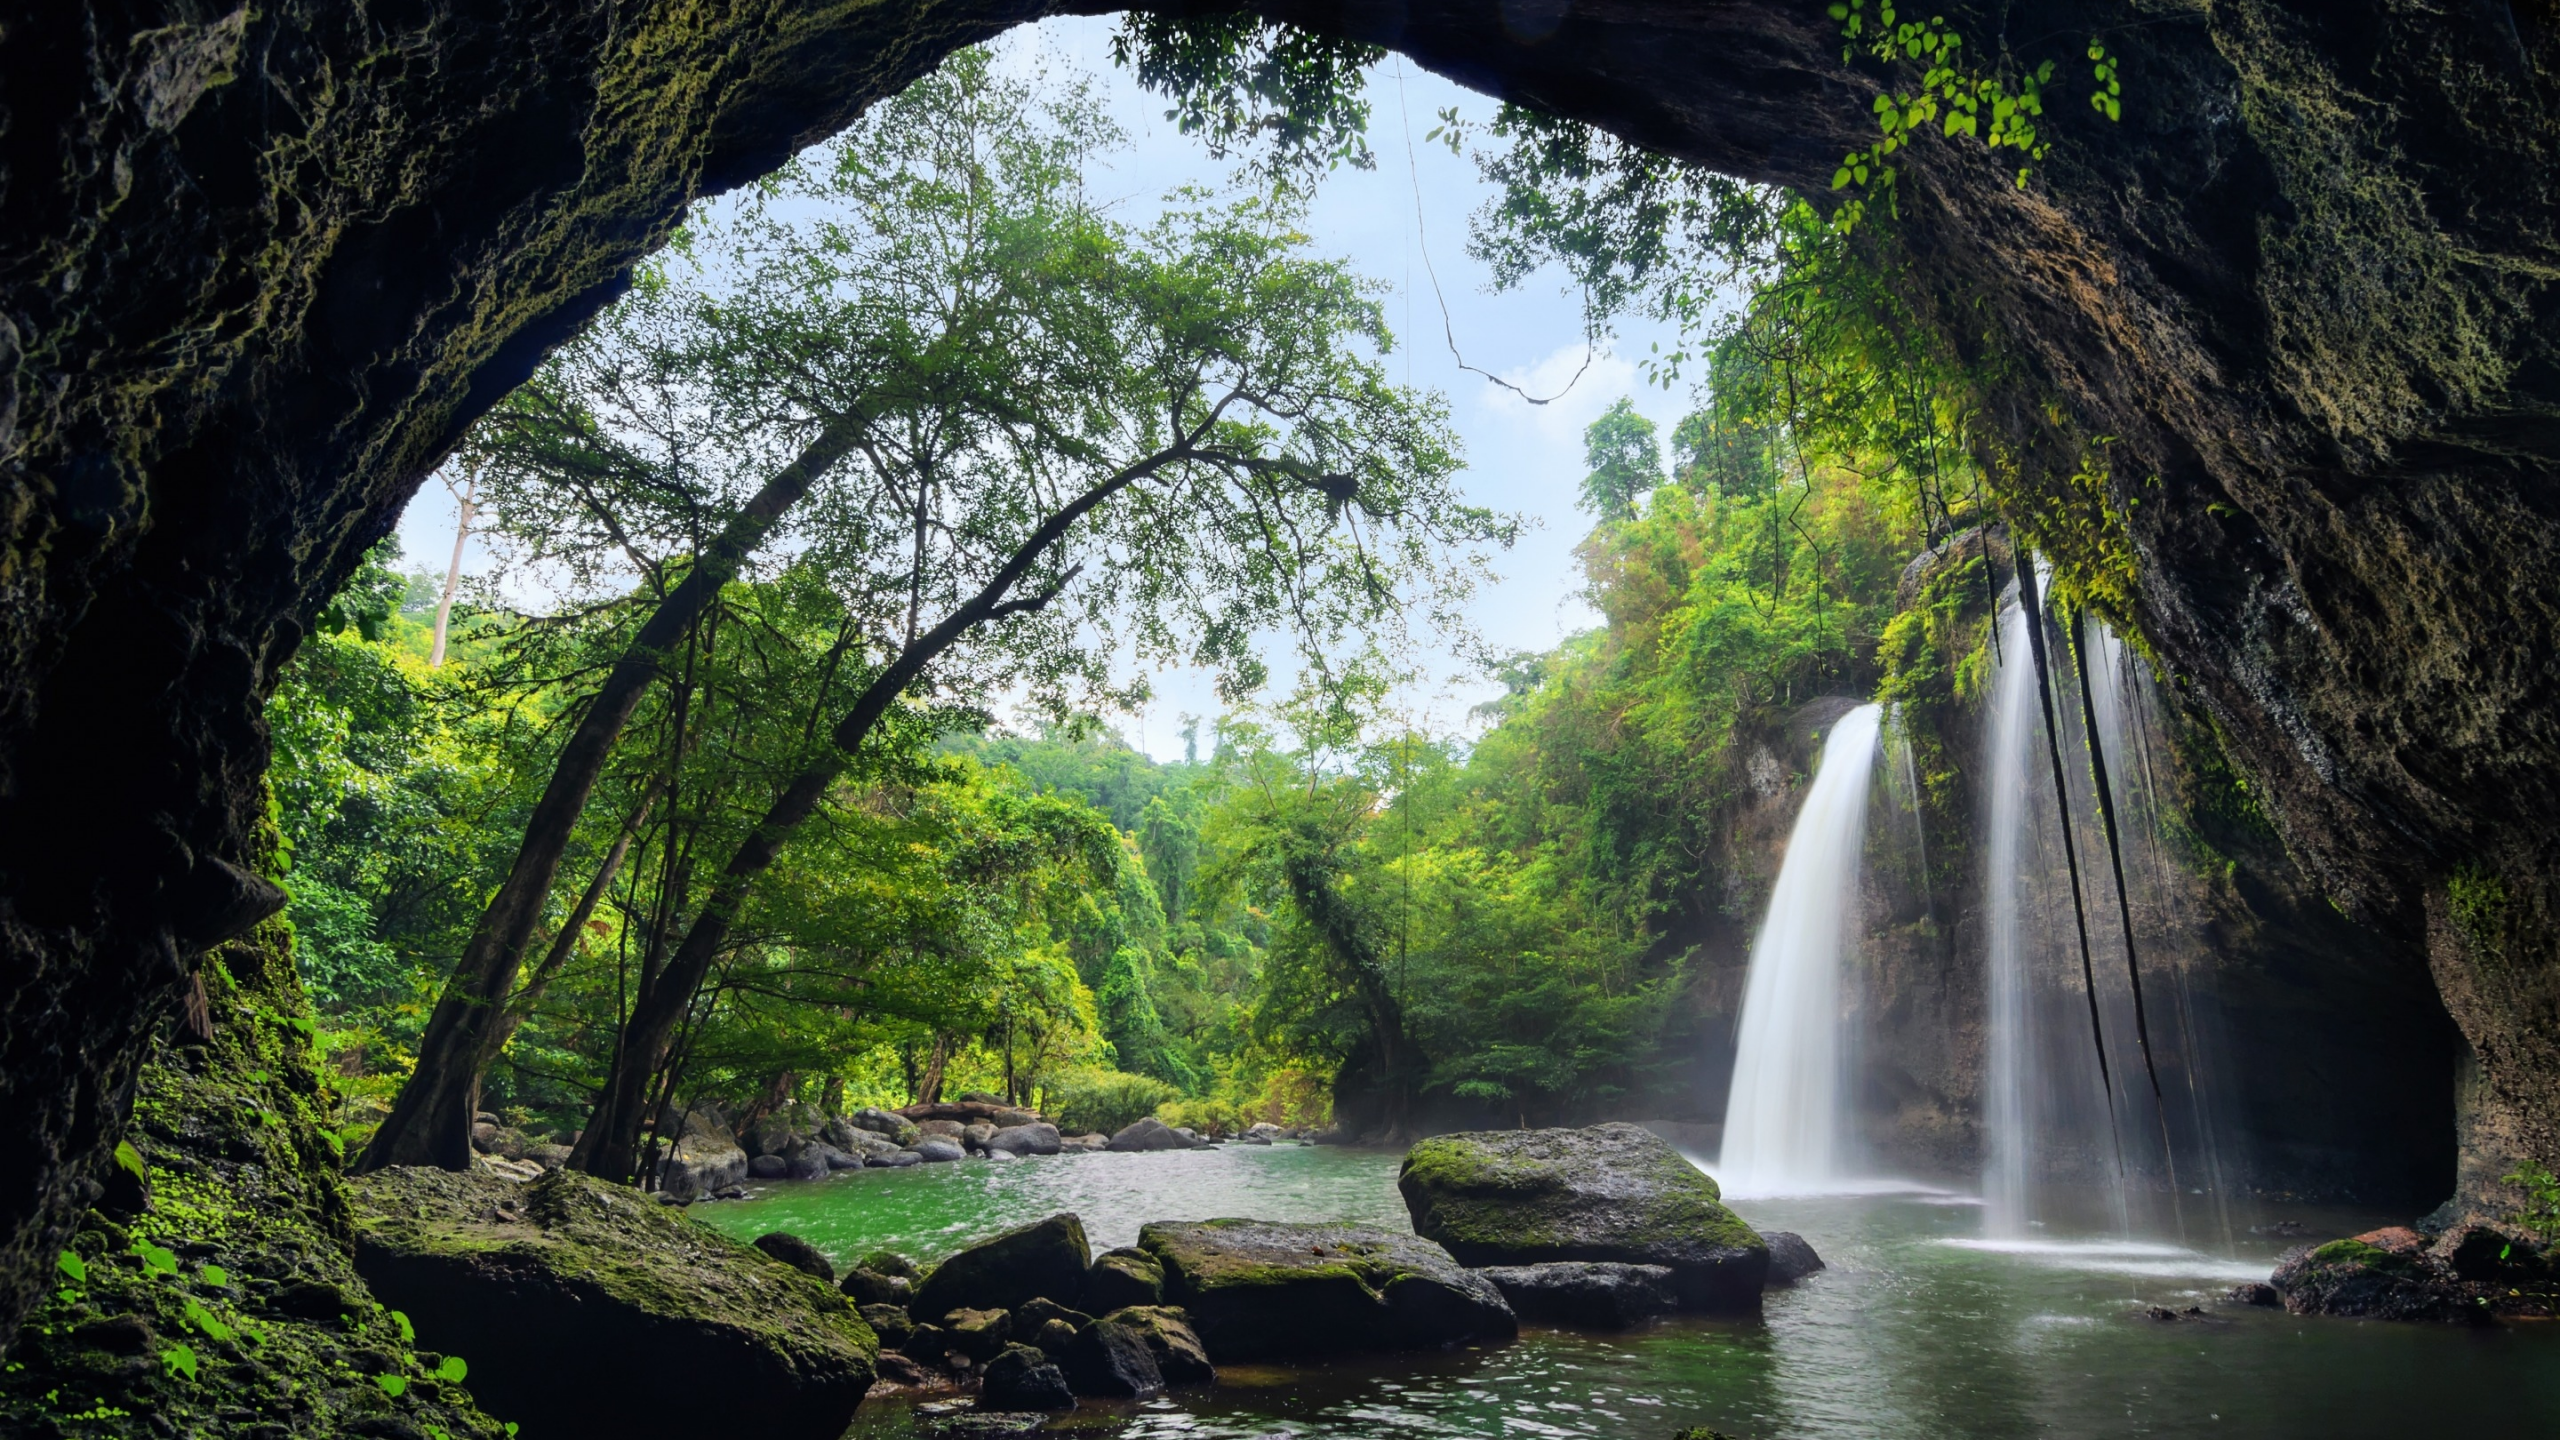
(1961, 97)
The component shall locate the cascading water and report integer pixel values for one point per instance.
(2059, 1150)
(1786, 1123)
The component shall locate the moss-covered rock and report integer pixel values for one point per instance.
(564, 1290)
(221, 1299)
(1123, 1277)
(1255, 1289)
(1178, 1351)
(1047, 1259)
(2470, 1273)
(1611, 1192)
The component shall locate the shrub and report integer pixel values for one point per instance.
(1209, 1117)
(1103, 1101)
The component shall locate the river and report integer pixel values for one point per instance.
(1920, 1329)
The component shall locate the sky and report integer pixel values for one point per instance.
(1522, 458)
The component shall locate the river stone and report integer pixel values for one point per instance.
(1180, 1356)
(978, 1334)
(888, 1262)
(1031, 1314)
(1123, 1277)
(1007, 1118)
(1038, 1138)
(1110, 1361)
(976, 1134)
(1258, 1288)
(1596, 1294)
(1022, 1378)
(1045, 1259)
(1611, 1192)
(1005, 1155)
(891, 1323)
(560, 1304)
(1052, 1336)
(2385, 1274)
(797, 1253)
(894, 1160)
(1147, 1135)
(808, 1161)
(927, 1343)
(1791, 1257)
(705, 1159)
(935, 1150)
(869, 1287)
(769, 1167)
(897, 1128)
(945, 1129)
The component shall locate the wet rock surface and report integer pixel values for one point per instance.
(1614, 1192)
(2470, 1273)
(1045, 1260)
(1593, 1294)
(1261, 1289)
(595, 1284)
(1791, 1257)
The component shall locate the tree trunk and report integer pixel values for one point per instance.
(453, 571)
(1311, 878)
(614, 1128)
(430, 1124)
(564, 944)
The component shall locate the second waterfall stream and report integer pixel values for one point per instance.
(1786, 1123)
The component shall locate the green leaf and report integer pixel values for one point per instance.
(453, 1368)
(392, 1385)
(408, 1333)
(215, 1275)
(156, 1260)
(205, 1321)
(179, 1360)
(1839, 180)
(130, 1160)
(72, 1266)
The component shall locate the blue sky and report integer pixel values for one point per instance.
(1521, 458)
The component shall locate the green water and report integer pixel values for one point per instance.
(1917, 1330)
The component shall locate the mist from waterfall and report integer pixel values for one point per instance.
(2062, 1153)
(1786, 1124)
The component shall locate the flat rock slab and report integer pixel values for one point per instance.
(1613, 1192)
(559, 1304)
(1592, 1294)
(1257, 1289)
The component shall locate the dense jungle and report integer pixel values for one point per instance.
(975, 834)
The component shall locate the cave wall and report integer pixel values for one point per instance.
(259, 266)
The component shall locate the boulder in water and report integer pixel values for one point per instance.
(978, 1334)
(934, 1150)
(1121, 1278)
(769, 1167)
(1255, 1289)
(1022, 1378)
(1596, 1294)
(2472, 1272)
(891, 1323)
(1146, 1135)
(1614, 1192)
(1180, 1357)
(1038, 1138)
(1045, 1259)
(558, 1303)
(797, 1253)
(869, 1287)
(1790, 1257)
(1110, 1360)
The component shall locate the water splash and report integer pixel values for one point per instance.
(1786, 1123)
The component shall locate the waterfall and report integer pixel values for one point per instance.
(2009, 1159)
(2054, 1153)
(1786, 1124)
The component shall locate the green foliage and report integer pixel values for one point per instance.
(1625, 461)
(1236, 78)
(1103, 1101)
(2541, 1212)
(2002, 106)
